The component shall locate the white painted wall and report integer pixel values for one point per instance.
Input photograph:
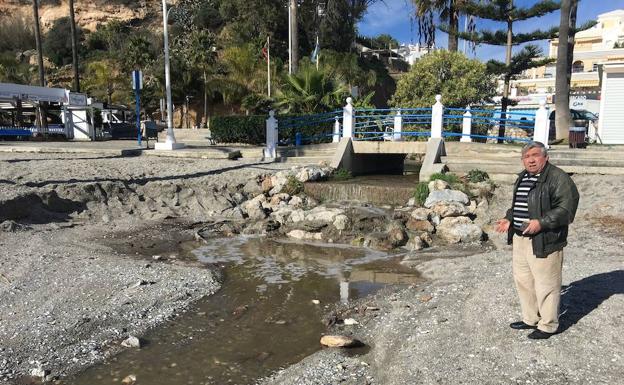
(611, 119)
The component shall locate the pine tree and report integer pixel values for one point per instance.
(529, 57)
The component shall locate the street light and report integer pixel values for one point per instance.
(170, 142)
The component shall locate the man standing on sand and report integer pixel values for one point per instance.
(544, 204)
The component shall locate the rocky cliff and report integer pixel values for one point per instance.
(88, 13)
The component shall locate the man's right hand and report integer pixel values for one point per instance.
(502, 225)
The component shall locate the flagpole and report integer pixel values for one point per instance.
(289, 43)
(318, 54)
(269, 65)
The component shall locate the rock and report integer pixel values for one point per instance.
(157, 257)
(278, 198)
(129, 380)
(255, 210)
(304, 235)
(396, 234)
(262, 227)
(303, 176)
(435, 219)
(426, 238)
(316, 302)
(415, 244)
(419, 225)
(131, 342)
(267, 185)
(252, 187)
(472, 208)
(341, 222)
(297, 216)
(378, 241)
(39, 372)
(480, 189)
(421, 214)
(458, 229)
(411, 202)
(336, 341)
(449, 209)
(238, 198)
(438, 184)
(295, 201)
(282, 214)
(323, 214)
(446, 196)
(350, 321)
(234, 212)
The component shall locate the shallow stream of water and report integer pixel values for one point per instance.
(262, 319)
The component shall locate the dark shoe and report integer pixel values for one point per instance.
(540, 335)
(521, 326)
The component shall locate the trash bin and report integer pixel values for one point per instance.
(577, 137)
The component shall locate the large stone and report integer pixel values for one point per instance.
(458, 229)
(303, 176)
(446, 196)
(267, 185)
(295, 201)
(255, 210)
(415, 244)
(438, 184)
(297, 216)
(323, 214)
(378, 241)
(278, 198)
(252, 187)
(304, 235)
(341, 222)
(419, 225)
(426, 237)
(339, 341)
(131, 342)
(397, 235)
(421, 214)
(282, 215)
(449, 209)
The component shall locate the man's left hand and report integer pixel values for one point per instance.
(533, 227)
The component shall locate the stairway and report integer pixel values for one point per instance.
(502, 161)
(308, 154)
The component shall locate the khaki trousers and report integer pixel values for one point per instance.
(538, 282)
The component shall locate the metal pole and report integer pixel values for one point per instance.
(138, 113)
(170, 136)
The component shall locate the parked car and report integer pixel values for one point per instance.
(580, 118)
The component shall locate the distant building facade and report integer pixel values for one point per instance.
(593, 47)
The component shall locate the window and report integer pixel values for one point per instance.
(578, 66)
(595, 67)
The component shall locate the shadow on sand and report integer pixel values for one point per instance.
(581, 297)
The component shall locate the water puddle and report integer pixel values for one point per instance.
(262, 319)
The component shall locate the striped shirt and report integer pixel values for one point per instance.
(521, 201)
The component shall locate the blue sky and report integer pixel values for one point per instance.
(393, 17)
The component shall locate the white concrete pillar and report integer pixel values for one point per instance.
(270, 151)
(437, 119)
(336, 136)
(348, 119)
(542, 124)
(398, 126)
(467, 126)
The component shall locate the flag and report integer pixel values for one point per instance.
(265, 50)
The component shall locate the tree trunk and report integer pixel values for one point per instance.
(204, 121)
(565, 53)
(41, 110)
(74, 44)
(453, 39)
(294, 49)
(505, 100)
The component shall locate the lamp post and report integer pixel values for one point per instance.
(170, 142)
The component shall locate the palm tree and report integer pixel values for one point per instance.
(201, 54)
(41, 111)
(74, 44)
(447, 10)
(310, 90)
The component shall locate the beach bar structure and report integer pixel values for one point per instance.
(611, 118)
(18, 105)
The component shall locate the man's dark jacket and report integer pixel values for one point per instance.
(553, 201)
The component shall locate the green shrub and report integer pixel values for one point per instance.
(238, 129)
(451, 179)
(476, 176)
(421, 193)
(341, 174)
(293, 186)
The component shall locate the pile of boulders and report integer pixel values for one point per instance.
(448, 216)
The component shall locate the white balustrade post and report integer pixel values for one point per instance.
(467, 126)
(542, 124)
(437, 118)
(398, 126)
(336, 136)
(270, 150)
(348, 119)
